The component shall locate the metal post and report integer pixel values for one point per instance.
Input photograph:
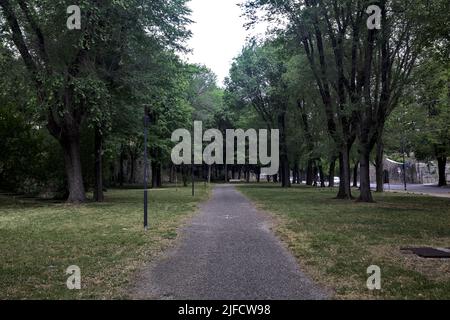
(192, 178)
(404, 157)
(193, 159)
(404, 170)
(176, 178)
(146, 121)
(404, 163)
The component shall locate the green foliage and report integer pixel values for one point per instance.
(424, 114)
(433, 91)
(203, 94)
(256, 81)
(269, 79)
(29, 158)
(98, 77)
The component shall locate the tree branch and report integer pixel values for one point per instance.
(37, 30)
(18, 39)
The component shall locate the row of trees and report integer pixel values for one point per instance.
(423, 116)
(330, 83)
(72, 101)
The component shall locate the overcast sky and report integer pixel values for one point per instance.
(218, 34)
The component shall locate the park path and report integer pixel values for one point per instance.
(227, 252)
(421, 189)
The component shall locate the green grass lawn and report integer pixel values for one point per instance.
(335, 241)
(39, 240)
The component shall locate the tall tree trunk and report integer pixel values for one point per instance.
(285, 172)
(209, 174)
(284, 159)
(72, 160)
(302, 176)
(159, 175)
(131, 179)
(366, 193)
(442, 163)
(258, 174)
(355, 174)
(331, 173)
(345, 191)
(172, 174)
(121, 165)
(247, 174)
(112, 173)
(226, 173)
(315, 173)
(309, 173)
(184, 174)
(98, 187)
(295, 174)
(133, 159)
(322, 176)
(379, 165)
(154, 166)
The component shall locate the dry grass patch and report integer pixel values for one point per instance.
(335, 241)
(39, 240)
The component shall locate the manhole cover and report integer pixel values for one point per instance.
(430, 253)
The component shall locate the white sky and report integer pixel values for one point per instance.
(218, 34)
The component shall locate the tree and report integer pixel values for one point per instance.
(312, 144)
(66, 65)
(308, 29)
(432, 111)
(256, 81)
(360, 72)
(206, 100)
(28, 162)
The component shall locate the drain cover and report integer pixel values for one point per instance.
(431, 253)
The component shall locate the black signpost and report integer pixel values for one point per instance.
(404, 171)
(404, 163)
(193, 162)
(193, 180)
(146, 123)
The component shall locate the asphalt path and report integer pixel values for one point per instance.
(227, 252)
(425, 189)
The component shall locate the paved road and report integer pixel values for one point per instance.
(429, 189)
(228, 252)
